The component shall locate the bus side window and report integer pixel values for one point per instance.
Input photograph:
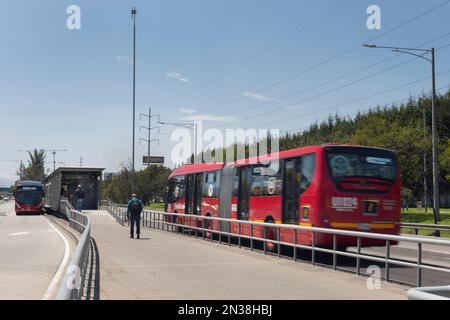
(170, 191)
(178, 188)
(235, 192)
(307, 171)
(267, 179)
(211, 185)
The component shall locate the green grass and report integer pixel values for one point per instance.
(415, 215)
(155, 205)
(442, 211)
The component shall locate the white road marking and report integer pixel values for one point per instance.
(61, 267)
(24, 233)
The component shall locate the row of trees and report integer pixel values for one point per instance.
(150, 184)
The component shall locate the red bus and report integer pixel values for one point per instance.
(29, 197)
(328, 186)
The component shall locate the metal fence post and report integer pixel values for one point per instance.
(203, 229)
(264, 239)
(334, 252)
(358, 259)
(251, 236)
(239, 235)
(196, 230)
(386, 265)
(220, 235)
(211, 229)
(229, 236)
(419, 264)
(278, 241)
(313, 252)
(295, 244)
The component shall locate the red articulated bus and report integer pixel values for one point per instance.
(29, 197)
(336, 186)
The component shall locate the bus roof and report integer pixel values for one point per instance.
(205, 167)
(29, 183)
(281, 155)
(194, 168)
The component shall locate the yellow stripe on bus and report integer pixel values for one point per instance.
(355, 225)
(305, 224)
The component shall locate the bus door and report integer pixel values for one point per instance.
(291, 190)
(243, 205)
(197, 204)
(190, 190)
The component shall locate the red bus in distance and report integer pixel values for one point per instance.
(29, 197)
(336, 186)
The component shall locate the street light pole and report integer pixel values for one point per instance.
(425, 183)
(436, 195)
(190, 126)
(433, 117)
(133, 15)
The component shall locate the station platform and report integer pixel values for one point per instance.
(164, 265)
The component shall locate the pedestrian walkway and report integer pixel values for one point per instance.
(164, 265)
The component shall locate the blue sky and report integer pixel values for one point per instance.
(71, 89)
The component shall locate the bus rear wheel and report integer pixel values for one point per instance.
(270, 233)
(207, 225)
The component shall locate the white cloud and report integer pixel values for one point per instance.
(258, 96)
(123, 58)
(207, 117)
(186, 110)
(176, 76)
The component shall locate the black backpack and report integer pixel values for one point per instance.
(136, 208)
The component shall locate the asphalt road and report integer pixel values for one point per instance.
(31, 253)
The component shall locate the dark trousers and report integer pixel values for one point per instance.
(138, 226)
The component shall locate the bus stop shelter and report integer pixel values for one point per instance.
(63, 182)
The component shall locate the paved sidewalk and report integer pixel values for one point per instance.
(164, 265)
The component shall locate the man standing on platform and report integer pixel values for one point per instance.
(135, 207)
(79, 196)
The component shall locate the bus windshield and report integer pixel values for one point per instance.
(354, 162)
(29, 196)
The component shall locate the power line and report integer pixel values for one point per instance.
(359, 99)
(271, 47)
(326, 61)
(385, 105)
(339, 78)
(324, 93)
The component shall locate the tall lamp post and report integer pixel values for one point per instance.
(133, 16)
(415, 52)
(190, 126)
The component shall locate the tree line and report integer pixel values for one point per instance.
(150, 184)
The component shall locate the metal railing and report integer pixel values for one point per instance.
(429, 293)
(75, 277)
(424, 226)
(118, 213)
(202, 226)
